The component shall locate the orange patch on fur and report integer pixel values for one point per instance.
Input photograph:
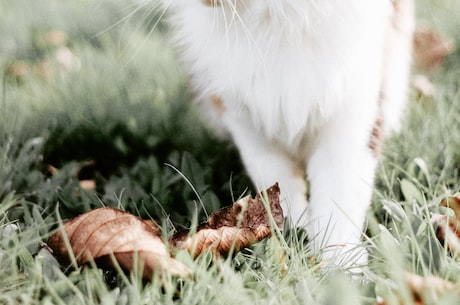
(376, 138)
(212, 2)
(218, 104)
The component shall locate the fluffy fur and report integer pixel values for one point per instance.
(305, 88)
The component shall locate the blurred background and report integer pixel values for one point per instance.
(94, 111)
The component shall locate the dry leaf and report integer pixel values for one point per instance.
(103, 232)
(106, 234)
(430, 49)
(235, 227)
(250, 212)
(448, 227)
(432, 288)
(422, 290)
(428, 287)
(452, 203)
(220, 241)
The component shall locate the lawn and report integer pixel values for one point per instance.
(94, 111)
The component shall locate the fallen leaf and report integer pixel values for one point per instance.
(220, 241)
(452, 203)
(103, 232)
(430, 49)
(234, 228)
(106, 234)
(422, 290)
(448, 227)
(250, 212)
(430, 288)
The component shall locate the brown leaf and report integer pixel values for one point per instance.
(103, 232)
(448, 227)
(250, 212)
(220, 241)
(452, 203)
(234, 228)
(422, 290)
(430, 49)
(428, 288)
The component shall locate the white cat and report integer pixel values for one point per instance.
(306, 89)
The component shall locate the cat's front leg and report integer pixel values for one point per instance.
(341, 173)
(267, 163)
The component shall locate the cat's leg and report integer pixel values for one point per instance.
(396, 65)
(341, 168)
(341, 173)
(266, 163)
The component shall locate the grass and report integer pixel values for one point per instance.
(116, 113)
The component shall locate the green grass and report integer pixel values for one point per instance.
(120, 116)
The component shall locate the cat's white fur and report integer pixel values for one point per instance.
(302, 87)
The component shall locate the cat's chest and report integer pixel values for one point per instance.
(284, 74)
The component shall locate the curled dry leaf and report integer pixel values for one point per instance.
(105, 234)
(220, 241)
(250, 212)
(230, 229)
(448, 227)
(101, 233)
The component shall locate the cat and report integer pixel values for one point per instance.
(307, 90)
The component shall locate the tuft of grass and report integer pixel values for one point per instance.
(116, 112)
